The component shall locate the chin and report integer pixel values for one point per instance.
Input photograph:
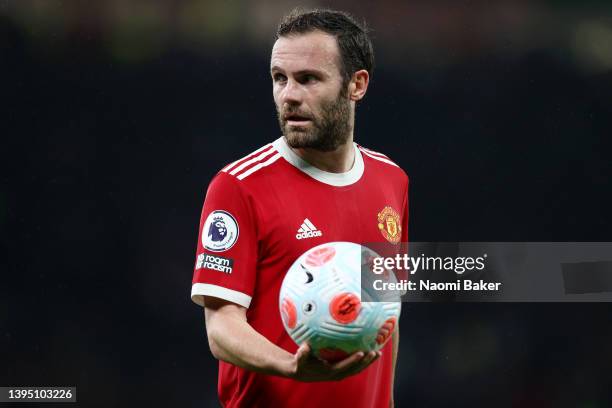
(298, 135)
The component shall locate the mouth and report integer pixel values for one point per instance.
(296, 119)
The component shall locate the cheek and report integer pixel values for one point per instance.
(276, 91)
(320, 103)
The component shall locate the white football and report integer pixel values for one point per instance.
(321, 302)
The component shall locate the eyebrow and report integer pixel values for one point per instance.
(300, 72)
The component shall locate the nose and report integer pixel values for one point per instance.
(292, 93)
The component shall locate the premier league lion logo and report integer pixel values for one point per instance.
(217, 230)
(220, 231)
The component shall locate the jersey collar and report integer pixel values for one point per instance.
(333, 179)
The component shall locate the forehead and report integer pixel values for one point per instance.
(314, 50)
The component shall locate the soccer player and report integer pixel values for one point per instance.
(310, 186)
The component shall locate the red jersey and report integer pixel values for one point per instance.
(260, 214)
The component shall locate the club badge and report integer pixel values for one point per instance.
(389, 225)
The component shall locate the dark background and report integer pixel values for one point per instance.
(115, 116)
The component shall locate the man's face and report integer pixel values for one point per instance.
(313, 107)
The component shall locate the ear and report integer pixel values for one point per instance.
(359, 85)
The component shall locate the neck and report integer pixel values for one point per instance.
(340, 160)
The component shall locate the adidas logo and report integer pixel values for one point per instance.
(308, 230)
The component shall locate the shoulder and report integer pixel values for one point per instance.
(246, 169)
(382, 163)
(253, 162)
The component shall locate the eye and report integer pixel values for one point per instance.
(308, 78)
(279, 77)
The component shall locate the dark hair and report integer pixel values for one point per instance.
(356, 51)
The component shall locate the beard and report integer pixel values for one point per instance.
(326, 132)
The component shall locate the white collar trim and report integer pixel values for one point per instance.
(333, 179)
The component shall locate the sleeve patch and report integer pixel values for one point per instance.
(215, 263)
(220, 231)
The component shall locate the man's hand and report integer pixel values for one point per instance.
(233, 340)
(306, 367)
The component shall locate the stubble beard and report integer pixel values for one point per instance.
(327, 132)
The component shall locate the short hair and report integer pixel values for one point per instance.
(356, 51)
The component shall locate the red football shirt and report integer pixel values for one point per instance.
(260, 214)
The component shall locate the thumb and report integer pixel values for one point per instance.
(302, 353)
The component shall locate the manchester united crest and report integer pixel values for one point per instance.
(389, 225)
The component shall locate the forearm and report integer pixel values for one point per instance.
(235, 341)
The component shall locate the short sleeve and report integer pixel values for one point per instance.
(226, 256)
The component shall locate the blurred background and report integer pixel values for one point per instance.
(116, 115)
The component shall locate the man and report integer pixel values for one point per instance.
(313, 179)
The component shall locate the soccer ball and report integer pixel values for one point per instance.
(321, 302)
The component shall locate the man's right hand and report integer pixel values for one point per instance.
(308, 368)
(233, 339)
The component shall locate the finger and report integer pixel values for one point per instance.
(358, 365)
(371, 357)
(375, 356)
(349, 361)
